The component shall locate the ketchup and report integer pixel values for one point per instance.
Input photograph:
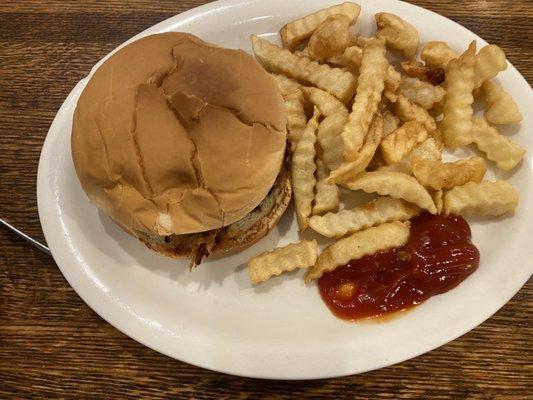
(437, 257)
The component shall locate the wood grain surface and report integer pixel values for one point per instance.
(53, 346)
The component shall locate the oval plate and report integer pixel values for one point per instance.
(212, 317)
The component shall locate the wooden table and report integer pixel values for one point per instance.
(53, 345)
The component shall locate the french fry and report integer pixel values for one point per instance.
(340, 61)
(393, 81)
(400, 142)
(406, 110)
(300, 29)
(362, 41)
(282, 259)
(399, 34)
(294, 107)
(325, 102)
(359, 244)
(403, 167)
(489, 61)
(327, 195)
(500, 108)
(416, 69)
(350, 169)
(302, 53)
(422, 93)
(330, 37)
(303, 172)
(427, 150)
(394, 184)
(333, 80)
(437, 54)
(329, 138)
(485, 199)
(383, 209)
(498, 148)
(286, 85)
(457, 111)
(390, 123)
(439, 201)
(371, 83)
(354, 55)
(438, 175)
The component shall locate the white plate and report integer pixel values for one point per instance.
(212, 317)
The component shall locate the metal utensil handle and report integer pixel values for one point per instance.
(27, 238)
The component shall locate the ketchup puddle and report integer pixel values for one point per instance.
(437, 257)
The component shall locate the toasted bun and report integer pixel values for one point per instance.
(235, 237)
(175, 136)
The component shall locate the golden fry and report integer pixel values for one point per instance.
(371, 83)
(327, 195)
(351, 169)
(489, 61)
(303, 172)
(427, 150)
(330, 37)
(457, 111)
(359, 244)
(329, 138)
(438, 198)
(416, 69)
(437, 54)
(484, 199)
(394, 184)
(294, 107)
(399, 34)
(354, 55)
(422, 93)
(333, 80)
(498, 148)
(438, 175)
(393, 80)
(282, 259)
(300, 29)
(400, 142)
(500, 109)
(406, 110)
(383, 209)
(325, 102)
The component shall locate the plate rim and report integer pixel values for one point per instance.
(55, 247)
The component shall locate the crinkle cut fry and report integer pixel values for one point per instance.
(371, 83)
(395, 184)
(300, 29)
(347, 221)
(337, 82)
(282, 259)
(457, 111)
(363, 243)
(303, 172)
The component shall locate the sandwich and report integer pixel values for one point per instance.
(183, 144)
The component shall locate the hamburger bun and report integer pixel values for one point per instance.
(235, 237)
(173, 137)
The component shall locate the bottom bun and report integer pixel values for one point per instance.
(235, 237)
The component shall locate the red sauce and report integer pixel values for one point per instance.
(437, 257)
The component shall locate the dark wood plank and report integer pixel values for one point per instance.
(52, 345)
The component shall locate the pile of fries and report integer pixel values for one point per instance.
(358, 122)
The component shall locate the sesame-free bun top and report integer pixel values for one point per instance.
(173, 135)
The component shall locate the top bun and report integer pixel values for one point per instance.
(173, 135)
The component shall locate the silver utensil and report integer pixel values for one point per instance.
(27, 238)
